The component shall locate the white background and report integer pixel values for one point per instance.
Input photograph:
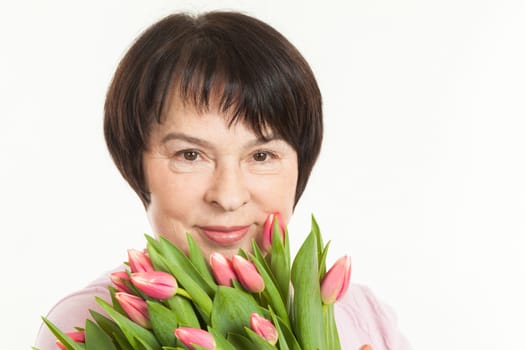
(420, 178)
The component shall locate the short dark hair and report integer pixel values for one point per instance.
(255, 72)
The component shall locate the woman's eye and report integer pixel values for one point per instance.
(190, 155)
(260, 156)
(264, 156)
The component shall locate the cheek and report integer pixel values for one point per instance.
(172, 192)
(180, 193)
(276, 193)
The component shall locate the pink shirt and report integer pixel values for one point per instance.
(361, 318)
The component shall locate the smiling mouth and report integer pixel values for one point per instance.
(225, 235)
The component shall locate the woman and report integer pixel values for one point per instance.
(216, 121)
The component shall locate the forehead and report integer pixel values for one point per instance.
(188, 124)
(187, 113)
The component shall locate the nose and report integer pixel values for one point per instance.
(228, 188)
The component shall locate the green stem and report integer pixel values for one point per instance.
(331, 336)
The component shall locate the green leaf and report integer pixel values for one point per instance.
(220, 341)
(271, 292)
(280, 261)
(287, 340)
(168, 248)
(133, 332)
(242, 253)
(154, 254)
(122, 341)
(239, 341)
(163, 322)
(307, 310)
(232, 309)
(186, 274)
(281, 341)
(184, 311)
(317, 232)
(111, 329)
(258, 255)
(200, 263)
(114, 301)
(260, 343)
(322, 261)
(64, 339)
(142, 344)
(96, 338)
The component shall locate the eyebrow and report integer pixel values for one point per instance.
(201, 142)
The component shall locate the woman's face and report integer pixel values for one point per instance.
(217, 183)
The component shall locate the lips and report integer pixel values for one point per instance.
(225, 235)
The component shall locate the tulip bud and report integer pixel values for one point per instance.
(336, 280)
(139, 262)
(118, 278)
(268, 230)
(78, 337)
(264, 328)
(195, 336)
(135, 307)
(366, 347)
(247, 274)
(155, 284)
(222, 269)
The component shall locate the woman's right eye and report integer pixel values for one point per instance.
(190, 155)
(188, 160)
(187, 155)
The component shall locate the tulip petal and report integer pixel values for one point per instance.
(263, 328)
(336, 281)
(268, 230)
(119, 279)
(139, 262)
(222, 269)
(135, 307)
(155, 284)
(195, 336)
(247, 274)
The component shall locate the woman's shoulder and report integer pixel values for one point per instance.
(72, 310)
(363, 319)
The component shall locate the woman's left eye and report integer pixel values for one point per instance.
(264, 156)
(260, 156)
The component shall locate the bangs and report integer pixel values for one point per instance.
(238, 81)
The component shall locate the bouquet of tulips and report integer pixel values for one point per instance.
(259, 300)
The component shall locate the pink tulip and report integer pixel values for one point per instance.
(139, 262)
(264, 328)
(155, 284)
(336, 280)
(77, 337)
(195, 336)
(269, 228)
(247, 274)
(135, 307)
(118, 278)
(222, 269)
